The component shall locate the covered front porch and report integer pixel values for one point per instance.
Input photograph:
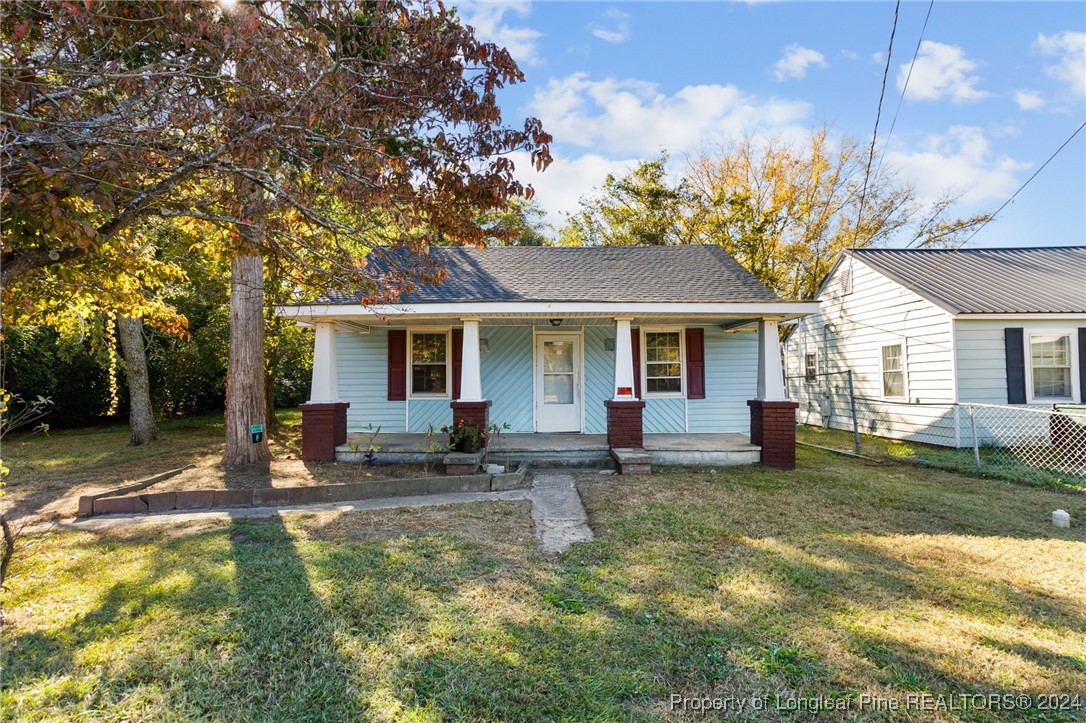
(561, 449)
(680, 385)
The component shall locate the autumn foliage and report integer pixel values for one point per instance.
(360, 124)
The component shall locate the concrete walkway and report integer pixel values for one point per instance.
(557, 512)
(113, 522)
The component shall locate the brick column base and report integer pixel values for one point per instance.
(773, 428)
(473, 414)
(324, 427)
(624, 428)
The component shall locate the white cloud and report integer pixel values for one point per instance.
(1028, 99)
(850, 55)
(633, 117)
(1070, 50)
(613, 26)
(488, 19)
(940, 71)
(796, 61)
(959, 161)
(560, 188)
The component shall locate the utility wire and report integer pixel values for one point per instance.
(1015, 194)
(878, 117)
(905, 88)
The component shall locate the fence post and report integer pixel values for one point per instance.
(976, 444)
(855, 421)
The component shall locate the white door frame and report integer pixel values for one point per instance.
(578, 367)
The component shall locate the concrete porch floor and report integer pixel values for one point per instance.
(568, 449)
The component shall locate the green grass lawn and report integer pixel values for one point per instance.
(842, 579)
(996, 462)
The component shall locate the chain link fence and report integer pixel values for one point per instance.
(1011, 442)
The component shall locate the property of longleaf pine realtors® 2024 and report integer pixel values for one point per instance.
(865, 702)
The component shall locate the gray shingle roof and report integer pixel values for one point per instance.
(597, 274)
(989, 281)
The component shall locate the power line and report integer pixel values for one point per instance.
(878, 117)
(1015, 194)
(905, 88)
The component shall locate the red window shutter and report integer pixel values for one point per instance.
(695, 363)
(397, 365)
(457, 360)
(635, 345)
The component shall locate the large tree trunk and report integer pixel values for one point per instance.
(141, 417)
(245, 403)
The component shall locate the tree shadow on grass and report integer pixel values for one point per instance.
(222, 624)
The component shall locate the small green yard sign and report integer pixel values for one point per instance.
(257, 432)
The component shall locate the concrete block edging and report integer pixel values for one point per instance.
(94, 505)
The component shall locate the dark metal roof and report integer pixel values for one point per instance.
(585, 274)
(989, 281)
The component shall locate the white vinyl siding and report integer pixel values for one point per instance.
(982, 356)
(850, 331)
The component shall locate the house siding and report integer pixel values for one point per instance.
(599, 370)
(506, 368)
(981, 354)
(362, 372)
(879, 311)
(731, 378)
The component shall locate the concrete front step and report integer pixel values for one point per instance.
(568, 450)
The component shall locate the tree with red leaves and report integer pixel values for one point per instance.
(311, 132)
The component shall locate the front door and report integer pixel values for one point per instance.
(558, 383)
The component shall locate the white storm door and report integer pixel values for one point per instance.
(558, 383)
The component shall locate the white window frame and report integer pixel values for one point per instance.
(645, 393)
(902, 342)
(803, 365)
(447, 331)
(1072, 338)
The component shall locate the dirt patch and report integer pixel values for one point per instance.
(44, 494)
(492, 523)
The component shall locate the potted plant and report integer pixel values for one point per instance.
(463, 437)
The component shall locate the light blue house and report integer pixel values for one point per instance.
(617, 341)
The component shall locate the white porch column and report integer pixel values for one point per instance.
(624, 371)
(325, 386)
(770, 374)
(471, 380)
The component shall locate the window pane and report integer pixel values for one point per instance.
(558, 389)
(810, 367)
(665, 385)
(663, 362)
(891, 358)
(663, 354)
(663, 370)
(557, 356)
(893, 384)
(428, 348)
(1051, 382)
(1050, 351)
(428, 379)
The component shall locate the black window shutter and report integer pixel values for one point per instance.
(1082, 364)
(1013, 340)
(397, 364)
(635, 346)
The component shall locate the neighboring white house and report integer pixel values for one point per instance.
(922, 329)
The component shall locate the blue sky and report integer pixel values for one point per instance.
(997, 87)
